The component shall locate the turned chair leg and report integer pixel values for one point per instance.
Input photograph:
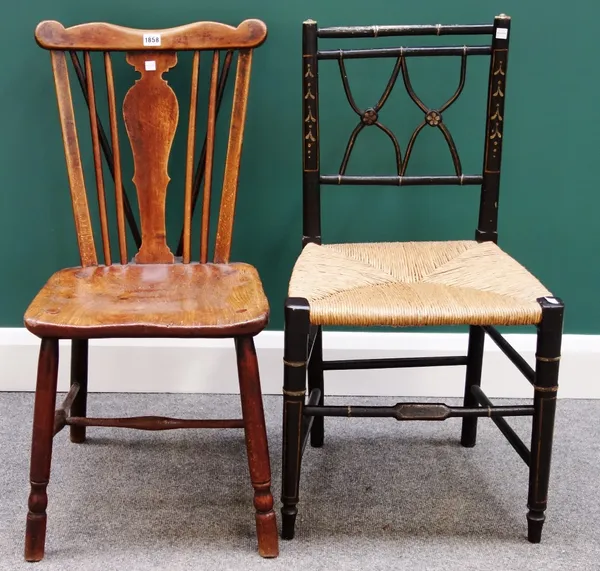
(546, 387)
(315, 381)
(41, 449)
(473, 378)
(257, 447)
(79, 375)
(294, 391)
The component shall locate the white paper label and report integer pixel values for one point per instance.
(150, 65)
(152, 39)
(501, 34)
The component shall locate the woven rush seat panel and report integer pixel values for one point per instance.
(415, 283)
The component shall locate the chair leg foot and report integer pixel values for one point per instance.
(77, 435)
(288, 522)
(41, 449)
(317, 436)
(266, 531)
(535, 522)
(468, 441)
(35, 537)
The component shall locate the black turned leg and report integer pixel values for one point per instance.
(315, 381)
(294, 391)
(473, 378)
(41, 449)
(79, 375)
(546, 387)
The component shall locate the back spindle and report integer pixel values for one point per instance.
(97, 158)
(114, 132)
(210, 150)
(232, 161)
(189, 167)
(108, 154)
(83, 224)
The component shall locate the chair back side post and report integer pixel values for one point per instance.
(150, 112)
(310, 136)
(487, 229)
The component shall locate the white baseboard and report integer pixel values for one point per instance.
(208, 365)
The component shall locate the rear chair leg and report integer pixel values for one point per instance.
(473, 378)
(546, 387)
(79, 375)
(315, 381)
(257, 446)
(297, 325)
(41, 449)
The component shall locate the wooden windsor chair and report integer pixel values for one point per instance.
(156, 294)
(400, 284)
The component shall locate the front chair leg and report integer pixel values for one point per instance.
(79, 375)
(257, 446)
(41, 449)
(297, 325)
(546, 387)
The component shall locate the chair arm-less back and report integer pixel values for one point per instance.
(489, 178)
(150, 111)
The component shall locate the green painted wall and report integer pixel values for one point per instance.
(550, 194)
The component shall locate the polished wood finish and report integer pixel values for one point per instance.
(189, 163)
(62, 412)
(201, 164)
(97, 158)
(256, 444)
(83, 223)
(79, 379)
(155, 300)
(153, 422)
(155, 294)
(210, 152)
(232, 162)
(114, 135)
(53, 35)
(151, 113)
(41, 449)
(106, 150)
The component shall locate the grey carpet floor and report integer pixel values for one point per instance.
(379, 495)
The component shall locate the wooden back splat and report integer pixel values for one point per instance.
(151, 114)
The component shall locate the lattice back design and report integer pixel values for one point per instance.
(150, 112)
(369, 117)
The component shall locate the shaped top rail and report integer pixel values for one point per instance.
(101, 36)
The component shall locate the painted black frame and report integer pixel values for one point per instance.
(303, 352)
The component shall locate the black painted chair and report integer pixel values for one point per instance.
(414, 283)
